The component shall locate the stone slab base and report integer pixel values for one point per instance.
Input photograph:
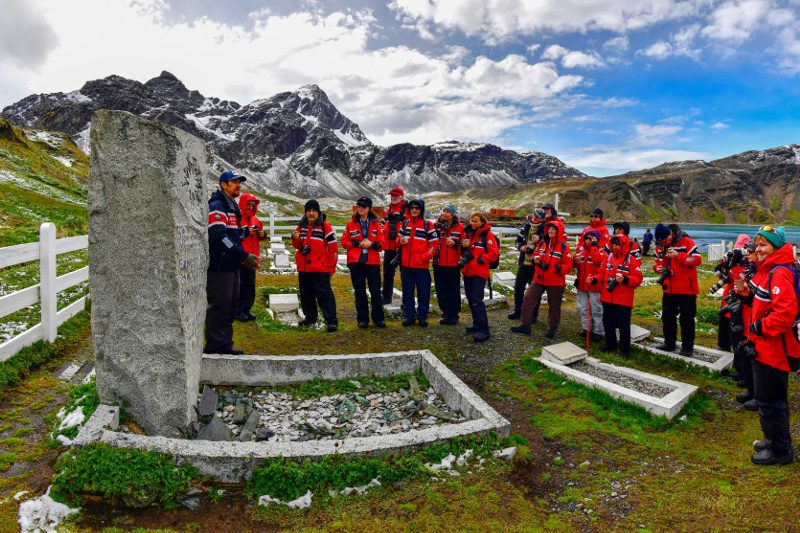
(668, 406)
(283, 302)
(563, 353)
(234, 462)
(724, 359)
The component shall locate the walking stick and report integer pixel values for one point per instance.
(588, 318)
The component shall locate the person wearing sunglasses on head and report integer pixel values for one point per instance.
(772, 343)
(677, 259)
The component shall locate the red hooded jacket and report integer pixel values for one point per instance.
(324, 248)
(555, 258)
(592, 266)
(684, 267)
(624, 262)
(419, 250)
(775, 308)
(448, 256)
(352, 237)
(398, 208)
(249, 218)
(490, 253)
(600, 227)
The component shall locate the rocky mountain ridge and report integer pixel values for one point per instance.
(295, 142)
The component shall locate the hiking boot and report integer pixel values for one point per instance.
(380, 325)
(521, 329)
(550, 333)
(607, 348)
(471, 329)
(423, 323)
(767, 457)
(241, 317)
(363, 325)
(665, 348)
(743, 397)
(751, 405)
(408, 322)
(624, 355)
(582, 334)
(333, 326)
(513, 316)
(307, 322)
(597, 337)
(686, 353)
(250, 315)
(762, 444)
(234, 351)
(481, 336)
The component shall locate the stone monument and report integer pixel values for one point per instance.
(148, 257)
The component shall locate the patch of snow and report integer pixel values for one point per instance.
(462, 459)
(314, 120)
(89, 376)
(303, 502)
(349, 491)
(506, 454)
(75, 418)
(50, 139)
(82, 138)
(446, 464)
(20, 494)
(40, 188)
(348, 138)
(202, 123)
(78, 97)
(307, 92)
(42, 514)
(66, 161)
(64, 440)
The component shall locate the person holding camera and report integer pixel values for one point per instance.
(677, 259)
(589, 260)
(623, 227)
(553, 260)
(396, 214)
(225, 255)
(742, 362)
(621, 275)
(479, 251)
(363, 239)
(730, 268)
(527, 238)
(446, 275)
(253, 234)
(772, 343)
(418, 242)
(316, 259)
(597, 222)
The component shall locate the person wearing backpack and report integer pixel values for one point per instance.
(589, 260)
(621, 275)
(774, 346)
(527, 238)
(418, 242)
(480, 250)
(553, 260)
(446, 275)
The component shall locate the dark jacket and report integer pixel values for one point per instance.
(224, 234)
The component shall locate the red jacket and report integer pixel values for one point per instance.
(627, 264)
(736, 272)
(324, 249)
(489, 253)
(419, 250)
(448, 256)
(600, 227)
(555, 258)
(684, 267)
(352, 237)
(249, 218)
(775, 309)
(592, 266)
(398, 208)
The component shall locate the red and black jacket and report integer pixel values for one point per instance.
(590, 271)
(623, 262)
(398, 210)
(684, 267)
(600, 227)
(555, 257)
(353, 235)
(419, 250)
(482, 244)
(323, 246)
(250, 243)
(448, 256)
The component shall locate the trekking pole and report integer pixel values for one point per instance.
(588, 318)
(491, 294)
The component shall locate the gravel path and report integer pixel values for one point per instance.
(657, 391)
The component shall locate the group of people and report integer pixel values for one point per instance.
(758, 318)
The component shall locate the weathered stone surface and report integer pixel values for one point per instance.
(282, 260)
(503, 278)
(283, 302)
(249, 426)
(148, 255)
(638, 333)
(208, 403)
(216, 430)
(563, 353)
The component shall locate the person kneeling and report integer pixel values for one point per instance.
(479, 250)
(621, 275)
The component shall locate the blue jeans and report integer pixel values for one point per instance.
(418, 279)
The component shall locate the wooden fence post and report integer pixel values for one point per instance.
(271, 226)
(47, 281)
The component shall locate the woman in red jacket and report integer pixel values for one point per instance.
(480, 247)
(775, 348)
(622, 274)
(553, 260)
(417, 240)
(253, 234)
(589, 259)
(316, 263)
(446, 275)
(363, 239)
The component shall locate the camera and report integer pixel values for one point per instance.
(466, 257)
(718, 285)
(665, 274)
(543, 266)
(746, 349)
(612, 284)
(305, 249)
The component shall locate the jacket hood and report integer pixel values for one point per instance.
(222, 197)
(455, 221)
(421, 203)
(556, 223)
(624, 245)
(626, 227)
(782, 256)
(247, 197)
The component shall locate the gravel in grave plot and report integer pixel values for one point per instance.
(700, 356)
(337, 416)
(651, 389)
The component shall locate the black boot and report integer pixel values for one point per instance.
(767, 457)
(521, 329)
(550, 333)
(762, 444)
(513, 316)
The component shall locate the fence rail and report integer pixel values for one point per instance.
(46, 291)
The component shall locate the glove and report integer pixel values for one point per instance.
(251, 261)
(480, 260)
(796, 329)
(558, 268)
(755, 327)
(376, 245)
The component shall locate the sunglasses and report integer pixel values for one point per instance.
(594, 216)
(768, 229)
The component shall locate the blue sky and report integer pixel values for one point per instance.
(607, 86)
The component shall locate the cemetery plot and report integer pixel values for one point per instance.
(716, 360)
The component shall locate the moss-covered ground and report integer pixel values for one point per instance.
(595, 463)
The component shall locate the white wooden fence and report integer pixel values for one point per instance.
(46, 291)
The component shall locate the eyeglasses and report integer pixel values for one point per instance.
(594, 216)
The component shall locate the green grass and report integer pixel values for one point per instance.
(82, 396)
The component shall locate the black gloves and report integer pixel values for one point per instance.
(251, 261)
(480, 260)
(558, 268)
(755, 327)
(376, 245)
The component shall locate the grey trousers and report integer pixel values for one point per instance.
(587, 300)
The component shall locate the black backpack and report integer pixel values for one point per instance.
(496, 263)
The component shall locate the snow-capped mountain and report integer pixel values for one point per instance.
(296, 142)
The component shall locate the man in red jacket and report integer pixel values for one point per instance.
(589, 260)
(446, 274)
(363, 239)
(777, 350)
(396, 214)
(316, 263)
(597, 222)
(481, 250)
(253, 231)
(677, 259)
(418, 240)
(621, 275)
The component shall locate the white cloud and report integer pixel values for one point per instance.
(617, 44)
(647, 134)
(395, 93)
(572, 58)
(657, 50)
(25, 39)
(734, 21)
(719, 125)
(497, 20)
(605, 161)
(533, 48)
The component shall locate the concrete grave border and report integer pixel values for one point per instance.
(725, 358)
(234, 462)
(669, 406)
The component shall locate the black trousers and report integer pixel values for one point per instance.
(524, 277)
(247, 289)
(315, 289)
(447, 282)
(617, 317)
(772, 397)
(222, 292)
(724, 334)
(645, 248)
(684, 305)
(473, 289)
(388, 273)
(363, 275)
